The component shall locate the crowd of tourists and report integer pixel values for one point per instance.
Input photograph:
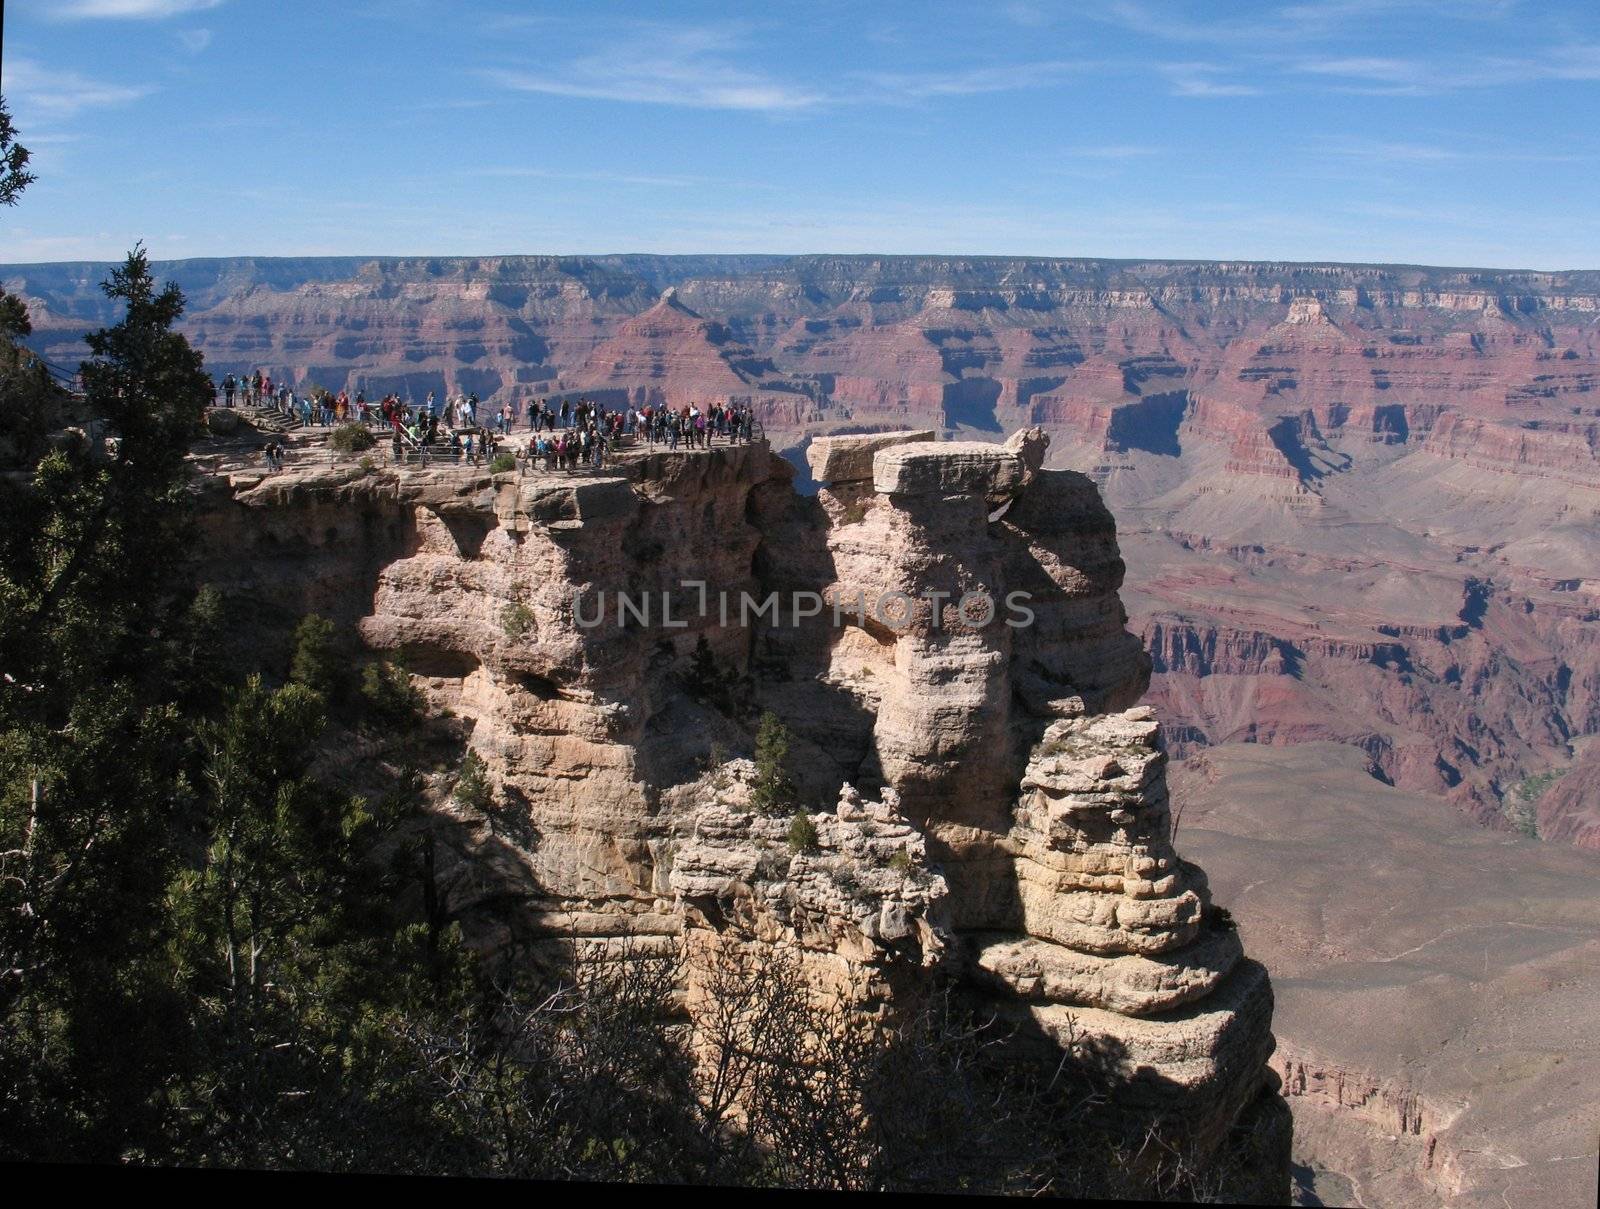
(564, 434)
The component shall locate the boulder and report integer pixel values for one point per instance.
(222, 422)
(849, 459)
(948, 468)
(1030, 444)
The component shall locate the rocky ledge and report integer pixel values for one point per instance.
(982, 800)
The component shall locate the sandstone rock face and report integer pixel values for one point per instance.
(955, 467)
(862, 905)
(964, 662)
(849, 459)
(1097, 872)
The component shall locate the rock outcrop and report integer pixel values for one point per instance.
(848, 459)
(960, 656)
(857, 899)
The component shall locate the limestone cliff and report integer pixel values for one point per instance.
(985, 798)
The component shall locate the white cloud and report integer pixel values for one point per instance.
(1200, 80)
(1308, 44)
(1391, 71)
(686, 67)
(1417, 77)
(918, 86)
(52, 93)
(1460, 151)
(604, 178)
(1029, 16)
(194, 40)
(665, 88)
(1120, 151)
(1291, 24)
(701, 68)
(142, 10)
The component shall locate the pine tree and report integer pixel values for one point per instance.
(314, 662)
(774, 791)
(14, 157)
(473, 790)
(94, 754)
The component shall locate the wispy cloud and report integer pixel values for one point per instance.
(688, 67)
(143, 10)
(744, 92)
(1420, 77)
(1285, 26)
(1309, 45)
(194, 40)
(924, 85)
(1392, 71)
(1204, 80)
(1028, 15)
(52, 93)
(701, 68)
(1119, 151)
(1457, 151)
(603, 178)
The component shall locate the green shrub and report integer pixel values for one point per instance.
(718, 686)
(352, 438)
(900, 862)
(389, 693)
(802, 833)
(315, 663)
(503, 462)
(774, 791)
(516, 620)
(367, 465)
(472, 790)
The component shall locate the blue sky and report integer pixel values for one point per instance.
(1431, 131)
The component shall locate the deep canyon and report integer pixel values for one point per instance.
(1358, 506)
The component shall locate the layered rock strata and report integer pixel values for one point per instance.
(960, 656)
(858, 900)
(1327, 457)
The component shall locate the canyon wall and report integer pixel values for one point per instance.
(988, 802)
(1358, 503)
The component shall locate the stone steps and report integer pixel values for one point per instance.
(270, 419)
